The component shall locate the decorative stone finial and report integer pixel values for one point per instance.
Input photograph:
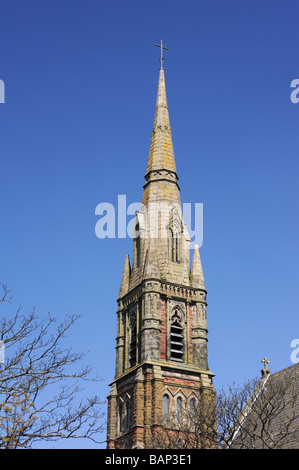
(265, 371)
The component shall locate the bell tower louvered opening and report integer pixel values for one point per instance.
(176, 338)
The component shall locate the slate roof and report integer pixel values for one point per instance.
(273, 419)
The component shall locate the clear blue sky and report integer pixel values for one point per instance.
(80, 81)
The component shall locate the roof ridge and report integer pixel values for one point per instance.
(286, 368)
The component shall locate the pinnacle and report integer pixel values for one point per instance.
(125, 280)
(196, 271)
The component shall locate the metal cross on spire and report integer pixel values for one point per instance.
(161, 47)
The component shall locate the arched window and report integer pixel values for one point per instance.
(165, 407)
(176, 337)
(192, 410)
(176, 246)
(179, 410)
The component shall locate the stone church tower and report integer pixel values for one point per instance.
(161, 343)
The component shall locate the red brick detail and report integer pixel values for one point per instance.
(181, 382)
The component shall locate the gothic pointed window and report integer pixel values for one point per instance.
(192, 411)
(176, 336)
(175, 246)
(165, 407)
(175, 228)
(133, 341)
(192, 407)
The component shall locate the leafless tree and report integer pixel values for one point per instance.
(230, 405)
(40, 391)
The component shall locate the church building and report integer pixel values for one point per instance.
(161, 341)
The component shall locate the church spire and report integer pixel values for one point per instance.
(161, 342)
(160, 220)
(161, 165)
(161, 154)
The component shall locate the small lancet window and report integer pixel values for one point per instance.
(192, 409)
(175, 241)
(133, 342)
(176, 337)
(137, 245)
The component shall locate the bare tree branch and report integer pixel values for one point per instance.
(38, 366)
